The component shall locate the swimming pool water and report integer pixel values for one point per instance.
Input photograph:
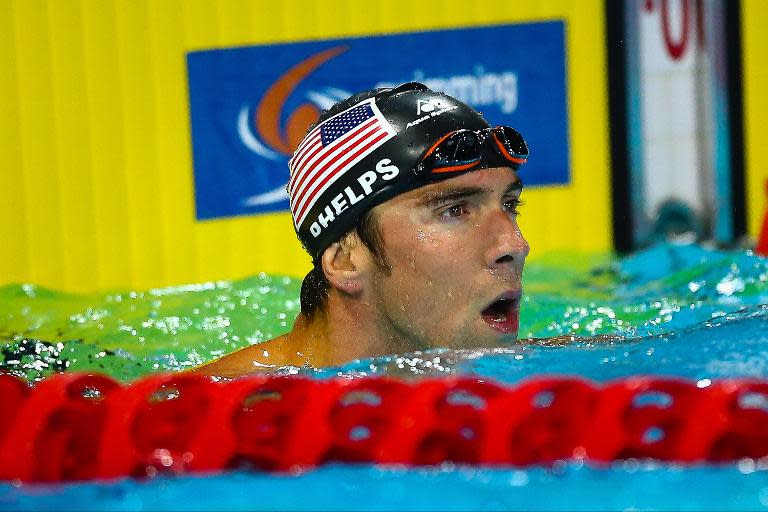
(632, 486)
(676, 310)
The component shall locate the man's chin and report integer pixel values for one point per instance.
(491, 338)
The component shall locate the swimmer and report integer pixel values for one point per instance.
(407, 201)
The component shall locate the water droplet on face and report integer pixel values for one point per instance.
(421, 236)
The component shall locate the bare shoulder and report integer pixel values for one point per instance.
(261, 358)
(242, 362)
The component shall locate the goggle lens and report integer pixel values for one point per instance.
(510, 144)
(458, 152)
(463, 149)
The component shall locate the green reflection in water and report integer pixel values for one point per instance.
(133, 333)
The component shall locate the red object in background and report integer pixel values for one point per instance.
(762, 242)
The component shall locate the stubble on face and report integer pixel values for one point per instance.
(437, 281)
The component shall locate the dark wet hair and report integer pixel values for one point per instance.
(315, 287)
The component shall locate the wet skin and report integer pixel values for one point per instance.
(456, 256)
(454, 247)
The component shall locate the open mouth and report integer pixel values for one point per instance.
(503, 313)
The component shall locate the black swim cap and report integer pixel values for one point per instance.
(364, 151)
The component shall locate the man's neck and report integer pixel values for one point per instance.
(344, 331)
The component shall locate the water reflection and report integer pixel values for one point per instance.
(672, 309)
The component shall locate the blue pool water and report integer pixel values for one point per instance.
(628, 486)
(676, 310)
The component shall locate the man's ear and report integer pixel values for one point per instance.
(343, 266)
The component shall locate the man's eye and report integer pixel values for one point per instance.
(512, 205)
(453, 211)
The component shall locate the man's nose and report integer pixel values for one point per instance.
(507, 248)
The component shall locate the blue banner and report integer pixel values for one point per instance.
(251, 106)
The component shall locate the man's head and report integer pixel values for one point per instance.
(409, 188)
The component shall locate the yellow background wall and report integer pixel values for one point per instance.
(754, 17)
(96, 179)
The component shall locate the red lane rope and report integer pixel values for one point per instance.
(81, 427)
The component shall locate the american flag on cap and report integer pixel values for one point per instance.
(331, 149)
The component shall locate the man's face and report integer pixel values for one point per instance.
(456, 255)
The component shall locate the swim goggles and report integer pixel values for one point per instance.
(462, 150)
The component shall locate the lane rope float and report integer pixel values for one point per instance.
(74, 427)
